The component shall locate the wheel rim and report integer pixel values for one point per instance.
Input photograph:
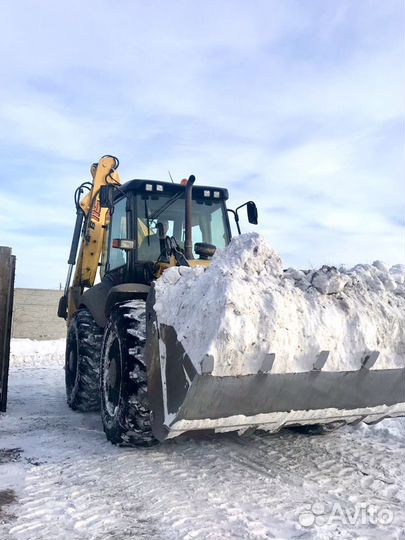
(112, 377)
(71, 366)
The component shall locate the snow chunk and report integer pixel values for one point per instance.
(397, 273)
(329, 281)
(380, 266)
(250, 254)
(244, 307)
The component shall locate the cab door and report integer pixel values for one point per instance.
(112, 258)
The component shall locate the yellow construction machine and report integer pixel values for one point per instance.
(132, 233)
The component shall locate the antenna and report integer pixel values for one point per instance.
(171, 177)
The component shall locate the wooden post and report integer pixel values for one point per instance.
(7, 272)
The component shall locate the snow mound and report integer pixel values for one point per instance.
(33, 353)
(245, 307)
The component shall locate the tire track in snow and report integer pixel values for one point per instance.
(345, 468)
(323, 470)
(225, 489)
(79, 500)
(206, 487)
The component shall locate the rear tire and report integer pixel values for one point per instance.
(318, 429)
(124, 402)
(82, 362)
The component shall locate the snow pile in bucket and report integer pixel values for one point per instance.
(244, 308)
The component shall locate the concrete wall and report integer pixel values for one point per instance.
(34, 314)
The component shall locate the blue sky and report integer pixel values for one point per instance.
(297, 105)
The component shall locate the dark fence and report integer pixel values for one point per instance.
(7, 271)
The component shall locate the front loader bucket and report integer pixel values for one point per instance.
(183, 398)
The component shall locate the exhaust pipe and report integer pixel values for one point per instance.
(188, 241)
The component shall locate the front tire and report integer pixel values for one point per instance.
(82, 362)
(123, 384)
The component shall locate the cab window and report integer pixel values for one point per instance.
(208, 225)
(117, 228)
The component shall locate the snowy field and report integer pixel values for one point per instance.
(61, 479)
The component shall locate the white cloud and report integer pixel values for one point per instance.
(294, 105)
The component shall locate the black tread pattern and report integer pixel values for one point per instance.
(83, 394)
(131, 424)
(317, 429)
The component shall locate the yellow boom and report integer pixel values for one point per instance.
(95, 220)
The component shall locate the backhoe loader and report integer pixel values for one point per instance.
(121, 359)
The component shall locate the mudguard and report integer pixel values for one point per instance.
(101, 298)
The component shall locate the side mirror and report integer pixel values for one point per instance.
(252, 212)
(106, 194)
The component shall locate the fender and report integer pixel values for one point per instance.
(123, 293)
(101, 298)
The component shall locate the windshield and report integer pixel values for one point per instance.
(208, 225)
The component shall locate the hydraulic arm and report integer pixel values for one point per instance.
(90, 228)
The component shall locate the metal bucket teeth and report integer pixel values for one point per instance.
(183, 398)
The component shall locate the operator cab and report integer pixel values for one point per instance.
(147, 212)
(165, 211)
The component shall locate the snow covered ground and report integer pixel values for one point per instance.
(60, 478)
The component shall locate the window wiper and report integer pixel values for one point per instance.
(147, 221)
(166, 205)
(157, 212)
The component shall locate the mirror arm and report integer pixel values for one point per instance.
(236, 216)
(248, 203)
(242, 205)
